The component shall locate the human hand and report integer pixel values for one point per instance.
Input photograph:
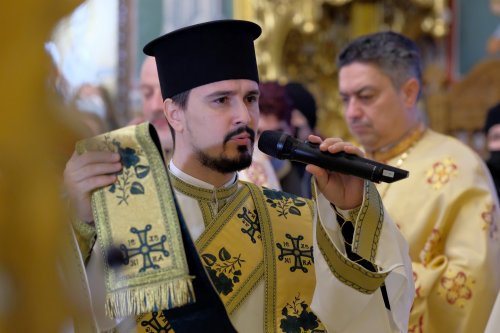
(84, 174)
(344, 191)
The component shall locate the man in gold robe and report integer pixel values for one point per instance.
(447, 209)
(279, 263)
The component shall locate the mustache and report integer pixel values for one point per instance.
(239, 130)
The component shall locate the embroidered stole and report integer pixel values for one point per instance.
(136, 218)
(258, 234)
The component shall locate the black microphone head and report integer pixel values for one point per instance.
(274, 143)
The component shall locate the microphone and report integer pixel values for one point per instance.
(284, 146)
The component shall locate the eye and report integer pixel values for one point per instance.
(147, 93)
(221, 100)
(252, 99)
(366, 97)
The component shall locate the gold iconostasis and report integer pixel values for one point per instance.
(301, 39)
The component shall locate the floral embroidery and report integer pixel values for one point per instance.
(285, 203)
(430, 249)
(457, 288)
(224, 272)
(418, 327)
(490, 223)
(298, 318)
(417, 285)
(125, 184)
(441, 173)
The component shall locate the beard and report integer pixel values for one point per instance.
(224, 164)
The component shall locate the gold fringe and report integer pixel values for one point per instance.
(143, 299)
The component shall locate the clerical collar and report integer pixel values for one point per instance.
(199, 189)
(388, 152)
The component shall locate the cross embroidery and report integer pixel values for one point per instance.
(298, 251)
(145, 249)
(254, 225)
(154, 325)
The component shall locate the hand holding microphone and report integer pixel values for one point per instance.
(284, 146)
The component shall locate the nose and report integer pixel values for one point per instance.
(352, 109)
(242, 114)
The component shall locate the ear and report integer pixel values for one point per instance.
(174, 115)
(410, 90)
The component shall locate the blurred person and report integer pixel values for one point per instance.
(276, 115)
(91, 110)
(303, 123)
(447, 209)
(209, 81)
(492, 131)
(152, 104)
(303, 119)
(39, 288)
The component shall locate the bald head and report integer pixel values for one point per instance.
(152, 100)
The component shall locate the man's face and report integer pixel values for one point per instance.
(376, 113)
(494, 138)
(152, 100)
(220, 121)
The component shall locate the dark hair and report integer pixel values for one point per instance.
(396, 55)
(302, 100)
(181, 99)
(274, 100)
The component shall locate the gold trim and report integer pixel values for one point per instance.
(216, 229)
(348, 272)
(369, 224)
(131, 290)
(203, 193)
(384, 154)
(269, 255)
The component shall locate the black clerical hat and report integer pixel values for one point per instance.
(204, 53)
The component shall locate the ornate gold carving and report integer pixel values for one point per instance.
(301, 39)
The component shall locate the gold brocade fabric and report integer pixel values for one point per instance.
(400, 148)
(241, 246)
(364, 244)
(449, 215)
(136, 216)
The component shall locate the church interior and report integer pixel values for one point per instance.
(70, 70)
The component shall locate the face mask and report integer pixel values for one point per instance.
(93, 104)
(494, 157)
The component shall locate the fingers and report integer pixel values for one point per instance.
(335, 145)
(86, 173)
(317, 172)
(91, 164)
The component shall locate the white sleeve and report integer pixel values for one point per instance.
(347, 297)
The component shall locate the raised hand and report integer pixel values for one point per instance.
(84, 174)
(344, 191)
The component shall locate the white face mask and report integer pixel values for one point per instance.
(92, 103)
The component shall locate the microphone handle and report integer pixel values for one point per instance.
(346, 163)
